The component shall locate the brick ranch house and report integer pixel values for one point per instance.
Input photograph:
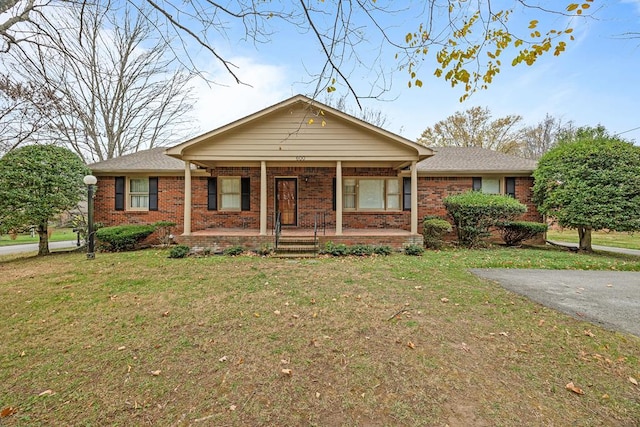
(303, 168)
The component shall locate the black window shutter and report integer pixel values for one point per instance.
(406, 194)
(333, 201)
(477, 183)
(245, 188)
(119, 193)
(511, 187)
(153, 193)
(212, 194)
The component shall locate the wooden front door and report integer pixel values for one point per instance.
(286, 200)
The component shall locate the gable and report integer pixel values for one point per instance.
(298, 130)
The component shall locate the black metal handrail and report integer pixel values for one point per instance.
(278, 228)
(315, 229)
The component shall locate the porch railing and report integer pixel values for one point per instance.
(277, 227)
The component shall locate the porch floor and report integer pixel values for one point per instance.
(299, 232)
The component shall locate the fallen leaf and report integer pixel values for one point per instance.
(287, 372)
(165, 314)
(465, 347)
(317, 395)
(8, 411)
(46, 393)
(295, 316)
(277, 312)
(313, 300)
(573, 388)
(156, 373)
(504, 334)
(232, 407)
(121, 348)
(23, 354)
(633, 381)
(605, 396)
(222, 359)
(284, 361)
(418, 287)
(411, 345)
(444, 300)
(589, 333)
(541, 322)
(256, 314)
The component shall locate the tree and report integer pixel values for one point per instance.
(468, 40)
(36, 183)
(475, 128)
(110, 89)
(375, 117)
(590, 183)
(542, 137)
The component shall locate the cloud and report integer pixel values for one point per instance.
(223, 100)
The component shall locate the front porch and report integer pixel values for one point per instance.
(218, 239)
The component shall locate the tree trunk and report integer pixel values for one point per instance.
(584, 233)
(43, 244)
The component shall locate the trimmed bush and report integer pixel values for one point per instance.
(332, 249)
(475, 213)
(361, 250)
(414, 250)
(123, 237)
(233, 250)
(515, 232)
(383, 250)
(179, 251)
(433, 231)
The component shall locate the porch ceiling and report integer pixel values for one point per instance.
(211, 165)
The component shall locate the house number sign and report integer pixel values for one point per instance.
(300, 158)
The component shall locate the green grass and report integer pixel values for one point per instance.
(58, 235)
(221, 330)
(603, 238)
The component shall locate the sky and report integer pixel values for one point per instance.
(595, 81)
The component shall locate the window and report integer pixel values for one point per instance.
(228, 194)
(140, 193)
(373, 194)
(486, 185)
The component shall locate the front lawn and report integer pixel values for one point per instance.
(140, 339)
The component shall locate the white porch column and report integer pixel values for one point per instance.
(338, 198)
(414, 197)
(263, 198)
(187, 199)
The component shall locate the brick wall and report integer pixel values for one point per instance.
(315, 196)
(170, 204)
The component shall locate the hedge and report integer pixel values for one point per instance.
(474, 213)
(515, 232)
(123, 237)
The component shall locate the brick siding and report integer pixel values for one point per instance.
(315, 197)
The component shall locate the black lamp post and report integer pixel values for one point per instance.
(90, 181)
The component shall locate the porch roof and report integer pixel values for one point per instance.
(299, 130)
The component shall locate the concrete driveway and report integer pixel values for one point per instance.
(607, 298)
(33, 247)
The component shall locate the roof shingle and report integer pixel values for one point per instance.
(474, 160)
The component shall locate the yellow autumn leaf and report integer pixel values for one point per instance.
(310, 121)
(419, 83)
